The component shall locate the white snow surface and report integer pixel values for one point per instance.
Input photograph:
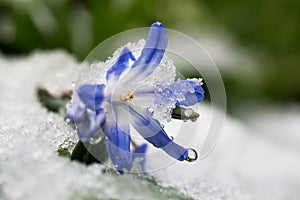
(247, 163)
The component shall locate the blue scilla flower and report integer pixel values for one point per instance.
(138, 88)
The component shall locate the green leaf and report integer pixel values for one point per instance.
(63, 152)
(89, 153)
(52, 103)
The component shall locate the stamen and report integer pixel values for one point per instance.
(128, 96)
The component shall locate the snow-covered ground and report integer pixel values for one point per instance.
(254, 160)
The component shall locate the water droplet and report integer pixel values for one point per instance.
(185, 120)
(95, 140)
(188, 112)
(194, 119)
(192, 155)
(162, 126)
(68, 120)
(171, 137)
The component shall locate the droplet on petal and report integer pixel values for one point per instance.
(95, 140)
(192, 155)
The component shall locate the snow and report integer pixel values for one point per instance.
(247, 163)
(252, 161)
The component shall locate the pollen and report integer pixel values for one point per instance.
(128, 96)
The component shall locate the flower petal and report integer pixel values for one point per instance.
(120, 66)
(151, 130)
(92, 95)
(144, 96)
(154, 48)
(117, 139)
(74, 112)
(191, 98)
(151, 55)
(87, 122)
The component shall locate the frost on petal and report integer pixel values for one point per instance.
(97, 72)
(120, 66)
(150, 129)
(191, 92)
(159, 82)
(87, 122)
(181, 92)
(74, 112)
(165, 72)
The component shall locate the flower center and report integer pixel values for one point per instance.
(128, 96)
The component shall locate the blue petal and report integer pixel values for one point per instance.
(139, 152)
(151, 130)
(75, 112)
(118, 142)
(70, 114)
(122, 63)
(152, 53)
(92, 95)
(192, 98)
(88, 123)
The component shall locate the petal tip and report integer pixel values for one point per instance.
(157, 24)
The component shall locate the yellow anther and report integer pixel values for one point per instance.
(128, 96)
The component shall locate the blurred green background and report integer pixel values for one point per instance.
(262, 36)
